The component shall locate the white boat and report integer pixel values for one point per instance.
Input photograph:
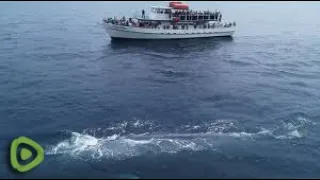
(175, 21)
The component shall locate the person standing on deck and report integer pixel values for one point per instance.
(143, 13)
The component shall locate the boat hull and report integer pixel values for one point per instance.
(127, 32)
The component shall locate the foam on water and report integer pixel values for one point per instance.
(88, 146)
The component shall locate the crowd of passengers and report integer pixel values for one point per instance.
(157, 24)
(212, 15)
(200, 26)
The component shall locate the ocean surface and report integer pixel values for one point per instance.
(241, 107)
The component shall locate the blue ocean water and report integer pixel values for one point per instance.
(241, 107)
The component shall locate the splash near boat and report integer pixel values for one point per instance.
(175, 21)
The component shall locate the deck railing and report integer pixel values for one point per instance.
(175, 27)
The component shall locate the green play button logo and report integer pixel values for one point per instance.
(25, 154)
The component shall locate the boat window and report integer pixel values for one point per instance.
(167, 11)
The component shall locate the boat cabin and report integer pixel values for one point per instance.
(179, 12)
(161, 13)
